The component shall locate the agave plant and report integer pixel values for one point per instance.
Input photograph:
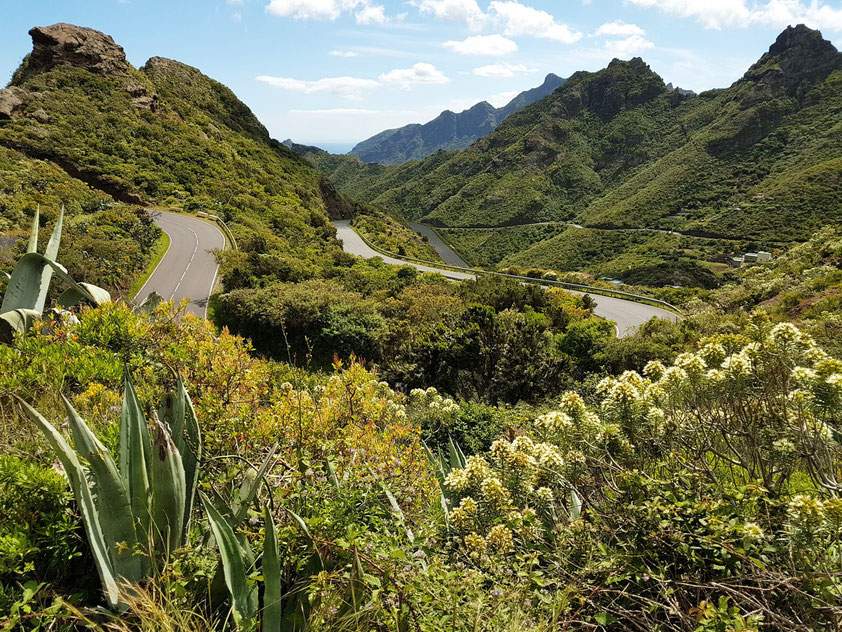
(237, 561)
(26, 292)
(139, 511)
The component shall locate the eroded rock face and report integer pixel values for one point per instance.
(11, 100)
(799, 55)
(69, 45)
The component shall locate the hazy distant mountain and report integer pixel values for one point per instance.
(448, 131)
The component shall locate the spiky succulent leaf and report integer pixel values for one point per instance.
(16, 321)
(178, 413)
(252, 485)
(83, 291)
(32, 246)
(168, 491)
(575, 505)
(243, 596)
(84, 499)
(272, 607)
(27, 288)
(111, 499)
(135, 459)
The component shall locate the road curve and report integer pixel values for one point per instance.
(188, 268)
(628, 315)
(447, 254)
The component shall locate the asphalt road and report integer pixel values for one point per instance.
(445, 252)
(628, 315)
(188, 269)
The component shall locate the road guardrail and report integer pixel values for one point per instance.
(590, 289)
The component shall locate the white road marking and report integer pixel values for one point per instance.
(195, 248)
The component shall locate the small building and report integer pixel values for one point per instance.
(764, 257)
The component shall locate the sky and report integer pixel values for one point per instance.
(334, 72)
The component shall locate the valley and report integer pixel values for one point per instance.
(572, 363)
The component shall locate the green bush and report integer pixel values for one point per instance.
(40, 536)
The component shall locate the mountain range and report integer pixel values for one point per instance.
(616, 149)
(448, 131)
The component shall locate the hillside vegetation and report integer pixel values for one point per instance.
(615, 149)
(163, 134)
(356, 447)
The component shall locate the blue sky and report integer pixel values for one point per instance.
(338, 71)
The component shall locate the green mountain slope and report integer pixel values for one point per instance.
(617, 149)
(163, 134)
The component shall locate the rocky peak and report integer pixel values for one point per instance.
(69, 45)
(799, 54)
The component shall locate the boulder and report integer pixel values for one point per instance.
(68, 45)
(11, 100)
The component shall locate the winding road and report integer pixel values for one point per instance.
(627, 314)
(188, 268)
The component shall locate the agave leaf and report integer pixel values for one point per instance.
(457, 459)
(84, 498)
(396, 509)
(26, 288)
(575, 505)
(55, 239)
(168, 490)
(83, 291)
(148, 305)
(243, 596)
(32, 246)
(30, 281)
(272, 607)
(16, 321)
(111, 499)
(190, 449)
(252, 485)
(135, 458)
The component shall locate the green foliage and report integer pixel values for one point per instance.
(39, 536)
(617, 152)
(390, 235)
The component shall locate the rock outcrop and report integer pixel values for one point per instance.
(799, 56)
(68, 45)
(80, 47)
(11, 101)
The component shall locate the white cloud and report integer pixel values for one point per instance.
(343, 53)
(519, 19)
(619, 28)
(491, 45)
(372, 14)
(351, 87)
(502, 98)
(501, 71)
(717, 14)
(366, 11)
(465, 11)
(420, 73)
(629, 46)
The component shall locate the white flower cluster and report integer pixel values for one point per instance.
(432, 400)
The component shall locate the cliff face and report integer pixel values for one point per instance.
(448, 131)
